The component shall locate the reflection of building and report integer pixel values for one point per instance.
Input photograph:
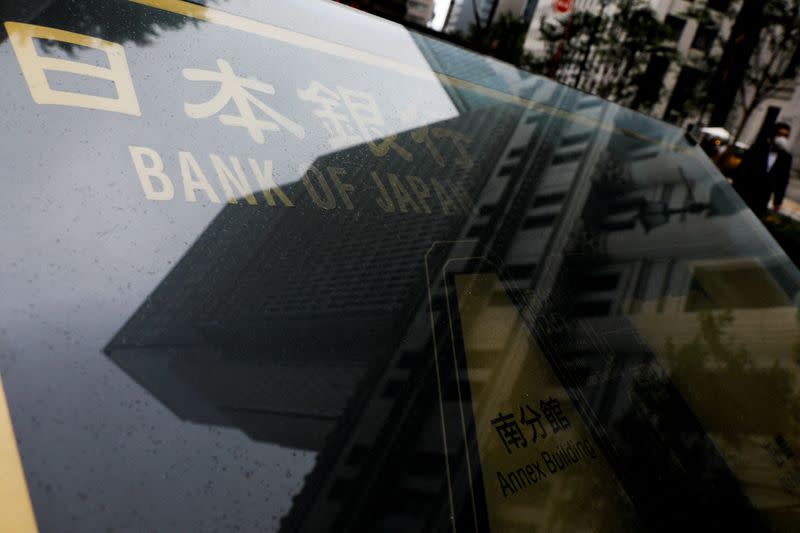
(384, 466)
(248, 318)
(243, 330)
(643, 287)
(315, 328)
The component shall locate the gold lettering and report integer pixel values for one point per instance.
(147, 173)
(341, 188)
(267, 184)
(384, 201)
(448, 206)
(188, 167)
(228, 180)
(402, 195)
(462, 197)
(327, 200)
(421, 191)
(460, 141)
(35, 68)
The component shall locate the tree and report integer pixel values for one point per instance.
(503, 39)
(640, 39)
(772, 59)
(477, 28)
(569, 39)
(709, 19)
(608, 52)
(108, 20)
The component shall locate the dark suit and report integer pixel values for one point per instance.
(755, 184)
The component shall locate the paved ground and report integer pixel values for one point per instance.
(791, 203)
(791, 208)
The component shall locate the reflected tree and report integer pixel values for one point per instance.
(117, 21)
(770, 69)
(503, 38)
(608, 53)
(729, 389)
(710, 18)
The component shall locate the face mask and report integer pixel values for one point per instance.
(782, 143)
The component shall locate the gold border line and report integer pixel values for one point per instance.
(16, 510)
(458, 381)
(308, 42)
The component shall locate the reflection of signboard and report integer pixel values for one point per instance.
(562, 6)
(541, 467)
(341, 116)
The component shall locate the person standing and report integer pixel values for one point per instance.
(764, 171)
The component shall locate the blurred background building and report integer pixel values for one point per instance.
(461, 14)
(731, 64)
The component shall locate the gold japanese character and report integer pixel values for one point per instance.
(460, 141)
(35, 66)
(422, 135)
(370, 121)
(363, 121)
(337, 123)
(235, 88)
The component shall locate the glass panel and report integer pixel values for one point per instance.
(285, 266)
